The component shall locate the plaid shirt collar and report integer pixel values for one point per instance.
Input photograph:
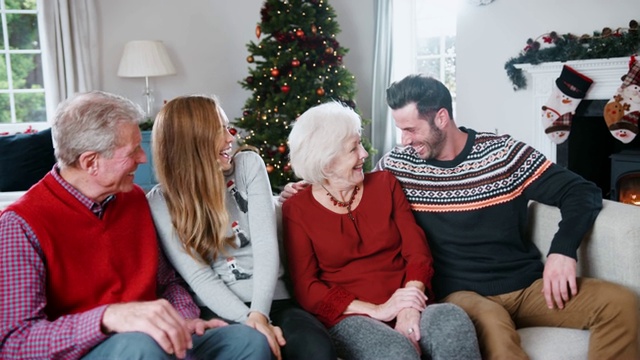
(95, 207)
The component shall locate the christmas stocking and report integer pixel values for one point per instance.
(622, 112)
(569, 89)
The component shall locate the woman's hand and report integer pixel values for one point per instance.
(408, 324)
(273, 333)
(409, 297)
(199, 326)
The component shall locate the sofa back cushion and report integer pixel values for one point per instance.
(25, 159)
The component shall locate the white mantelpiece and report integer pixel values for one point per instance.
(605, 73)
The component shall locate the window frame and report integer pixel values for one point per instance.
(405, 46)
(5, 55)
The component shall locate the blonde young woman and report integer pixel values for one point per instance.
(216, 220)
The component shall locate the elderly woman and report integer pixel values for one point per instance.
(358, 260)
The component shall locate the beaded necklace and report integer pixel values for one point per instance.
(343, 204)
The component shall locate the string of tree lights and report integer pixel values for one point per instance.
(296, 64)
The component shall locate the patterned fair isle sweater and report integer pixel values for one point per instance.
(473, 210)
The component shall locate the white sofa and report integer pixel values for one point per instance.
(7, 198)
(610, 251)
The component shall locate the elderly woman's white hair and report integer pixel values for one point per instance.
(318, 136)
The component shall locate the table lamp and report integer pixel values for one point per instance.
(145, 58)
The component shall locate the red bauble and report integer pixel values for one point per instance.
(314, 29)
(299, 33)
(233, 131)
(320, 91)
(258, 31)
(249, 79)
(270, 168)
(285, 88)
(329, 50)
(295, 63)
(282, 149)
(275, 72)
(287, 168)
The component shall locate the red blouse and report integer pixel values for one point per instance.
(334, 260)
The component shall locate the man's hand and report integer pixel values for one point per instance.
(157, 319)
(559, 278)
(273, 333)
(199, 326)
(291, 189)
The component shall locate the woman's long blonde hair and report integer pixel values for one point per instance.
(188, 135)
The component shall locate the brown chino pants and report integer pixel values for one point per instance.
(608, 310)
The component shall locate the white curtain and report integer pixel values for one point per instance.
(383, 131)
(69, 42)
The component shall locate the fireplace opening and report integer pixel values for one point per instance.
(590, 145)
(629, 189)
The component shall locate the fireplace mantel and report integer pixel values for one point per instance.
(605, 73)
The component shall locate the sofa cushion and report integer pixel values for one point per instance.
(548, 343)
(25, 159)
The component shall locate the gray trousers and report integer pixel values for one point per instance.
(446, 333)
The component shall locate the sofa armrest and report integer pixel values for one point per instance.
(6, 198)
(610, 251)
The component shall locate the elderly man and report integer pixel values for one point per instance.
(82, 273)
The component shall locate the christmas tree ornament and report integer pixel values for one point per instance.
(275, 72)
(233, 131)
(295, 62)
(329, 50)
(287, 167)
(299, 33)
(258, 31)
(282, 149)
(264, 117)
(249, 79)
(249, 59)
(567, 92)
(314, 29)
(270, 168)
(320, 92)
(285, 88)
(622, 112)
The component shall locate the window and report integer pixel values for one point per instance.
(22, 92)
(424, 41)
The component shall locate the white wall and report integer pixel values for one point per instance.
(207, 39)
(488, 36)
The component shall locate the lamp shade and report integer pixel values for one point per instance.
(145, 58)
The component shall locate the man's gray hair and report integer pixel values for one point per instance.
(90, 122)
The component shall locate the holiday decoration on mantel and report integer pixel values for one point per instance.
(622, 112)
(552, 47)
(568, 90)
(296, 64)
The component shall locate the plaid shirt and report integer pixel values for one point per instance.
(25, 331)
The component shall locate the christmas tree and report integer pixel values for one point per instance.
(296, 64)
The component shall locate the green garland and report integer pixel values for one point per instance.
(601, 45)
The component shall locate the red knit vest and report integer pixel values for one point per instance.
(90, 261)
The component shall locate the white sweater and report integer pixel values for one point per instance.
(237, 277)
